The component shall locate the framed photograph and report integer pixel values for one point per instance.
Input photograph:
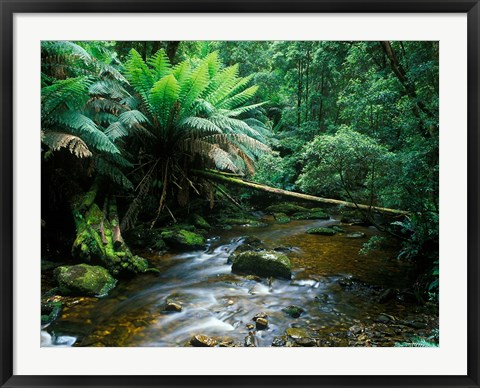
(204, 193)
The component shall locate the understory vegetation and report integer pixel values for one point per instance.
(154, 144)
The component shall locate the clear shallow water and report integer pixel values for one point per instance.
(220, 304)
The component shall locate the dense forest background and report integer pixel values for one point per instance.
(129, 127)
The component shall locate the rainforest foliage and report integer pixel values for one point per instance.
(129, 123)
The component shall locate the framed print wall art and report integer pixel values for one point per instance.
(246, 194)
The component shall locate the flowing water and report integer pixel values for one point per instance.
(335, 285)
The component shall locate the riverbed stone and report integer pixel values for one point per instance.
(172, 306)
(260, 315)
(293, 311)
(261, 323)
(84, 279)
(201, 340)
(355, 235)
(278, 341)
(250, 340)
(183, 239)
(321, 231)
(264, 263)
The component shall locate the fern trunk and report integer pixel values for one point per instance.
(224, 178)
(98, 237)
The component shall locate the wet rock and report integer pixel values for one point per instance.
(250, 340)
(50, 311)
(183, 239)
(171, 306)
(296, 332)
(278, 341)
(283, 249)
(356, 329)
(386, 296)
(250, 326)
(260, 315)
(84, 279)
(281, 218)
(293, 311)
(200, 340)
(305, 341)
(261, 323)
(385, 318)
(416, 324)
(265, 264)
(338, 229)
(355, 235)
(286, 208)
(321, 231)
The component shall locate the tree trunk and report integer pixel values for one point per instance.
(98, 238)
(212, 175)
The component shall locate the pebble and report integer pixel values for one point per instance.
(261, 323)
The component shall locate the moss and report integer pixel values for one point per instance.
(243, 222)
(84, 279)
(322, 231)
(50, 311)
(287, 208)
(338, 229)
(183, 239)
(200, 222)
(264, 263)
(281, 218)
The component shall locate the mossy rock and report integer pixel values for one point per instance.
(311, 215)
(282, 218)
(293, 311)
(50, 311)
(321, 231)
(286, 208)
(183, 239)
(84, 279)
(252, 222)
(263, 263)
(199, 222)
(144, 237)
(338, 229)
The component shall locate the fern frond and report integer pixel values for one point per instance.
(85, 128)
(199, 124)
(193, 86)
(239, 99)
(221, 84)
(58, 140)
(103, 167)
(160, 65)
(139, 76)
(163, 95)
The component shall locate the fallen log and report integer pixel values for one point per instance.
(305, 197)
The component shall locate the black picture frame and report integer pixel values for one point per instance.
(7, 196)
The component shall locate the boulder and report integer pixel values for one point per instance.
(84, 279)
(321, 231)
(281, 218)
(286, 208)
(264, 263)
(183, 239)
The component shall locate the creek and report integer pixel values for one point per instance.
(335, 286)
